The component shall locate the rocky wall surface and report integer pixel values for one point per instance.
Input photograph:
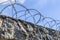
(16, 29)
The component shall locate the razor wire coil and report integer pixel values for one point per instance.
(28, 14)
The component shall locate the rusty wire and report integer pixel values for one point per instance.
(28, 14)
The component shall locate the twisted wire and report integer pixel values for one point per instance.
(31, 13)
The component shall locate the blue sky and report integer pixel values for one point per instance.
(48, 8)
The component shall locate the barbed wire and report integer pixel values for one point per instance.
(30, 15)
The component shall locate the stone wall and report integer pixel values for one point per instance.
(16, 29)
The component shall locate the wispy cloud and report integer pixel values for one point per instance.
(3, 1)
(21, 1)
(7, 1)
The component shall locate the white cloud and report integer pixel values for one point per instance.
(7, 1)
(1, 1)
(21, 1)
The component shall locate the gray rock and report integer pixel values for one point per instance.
(16, 29)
